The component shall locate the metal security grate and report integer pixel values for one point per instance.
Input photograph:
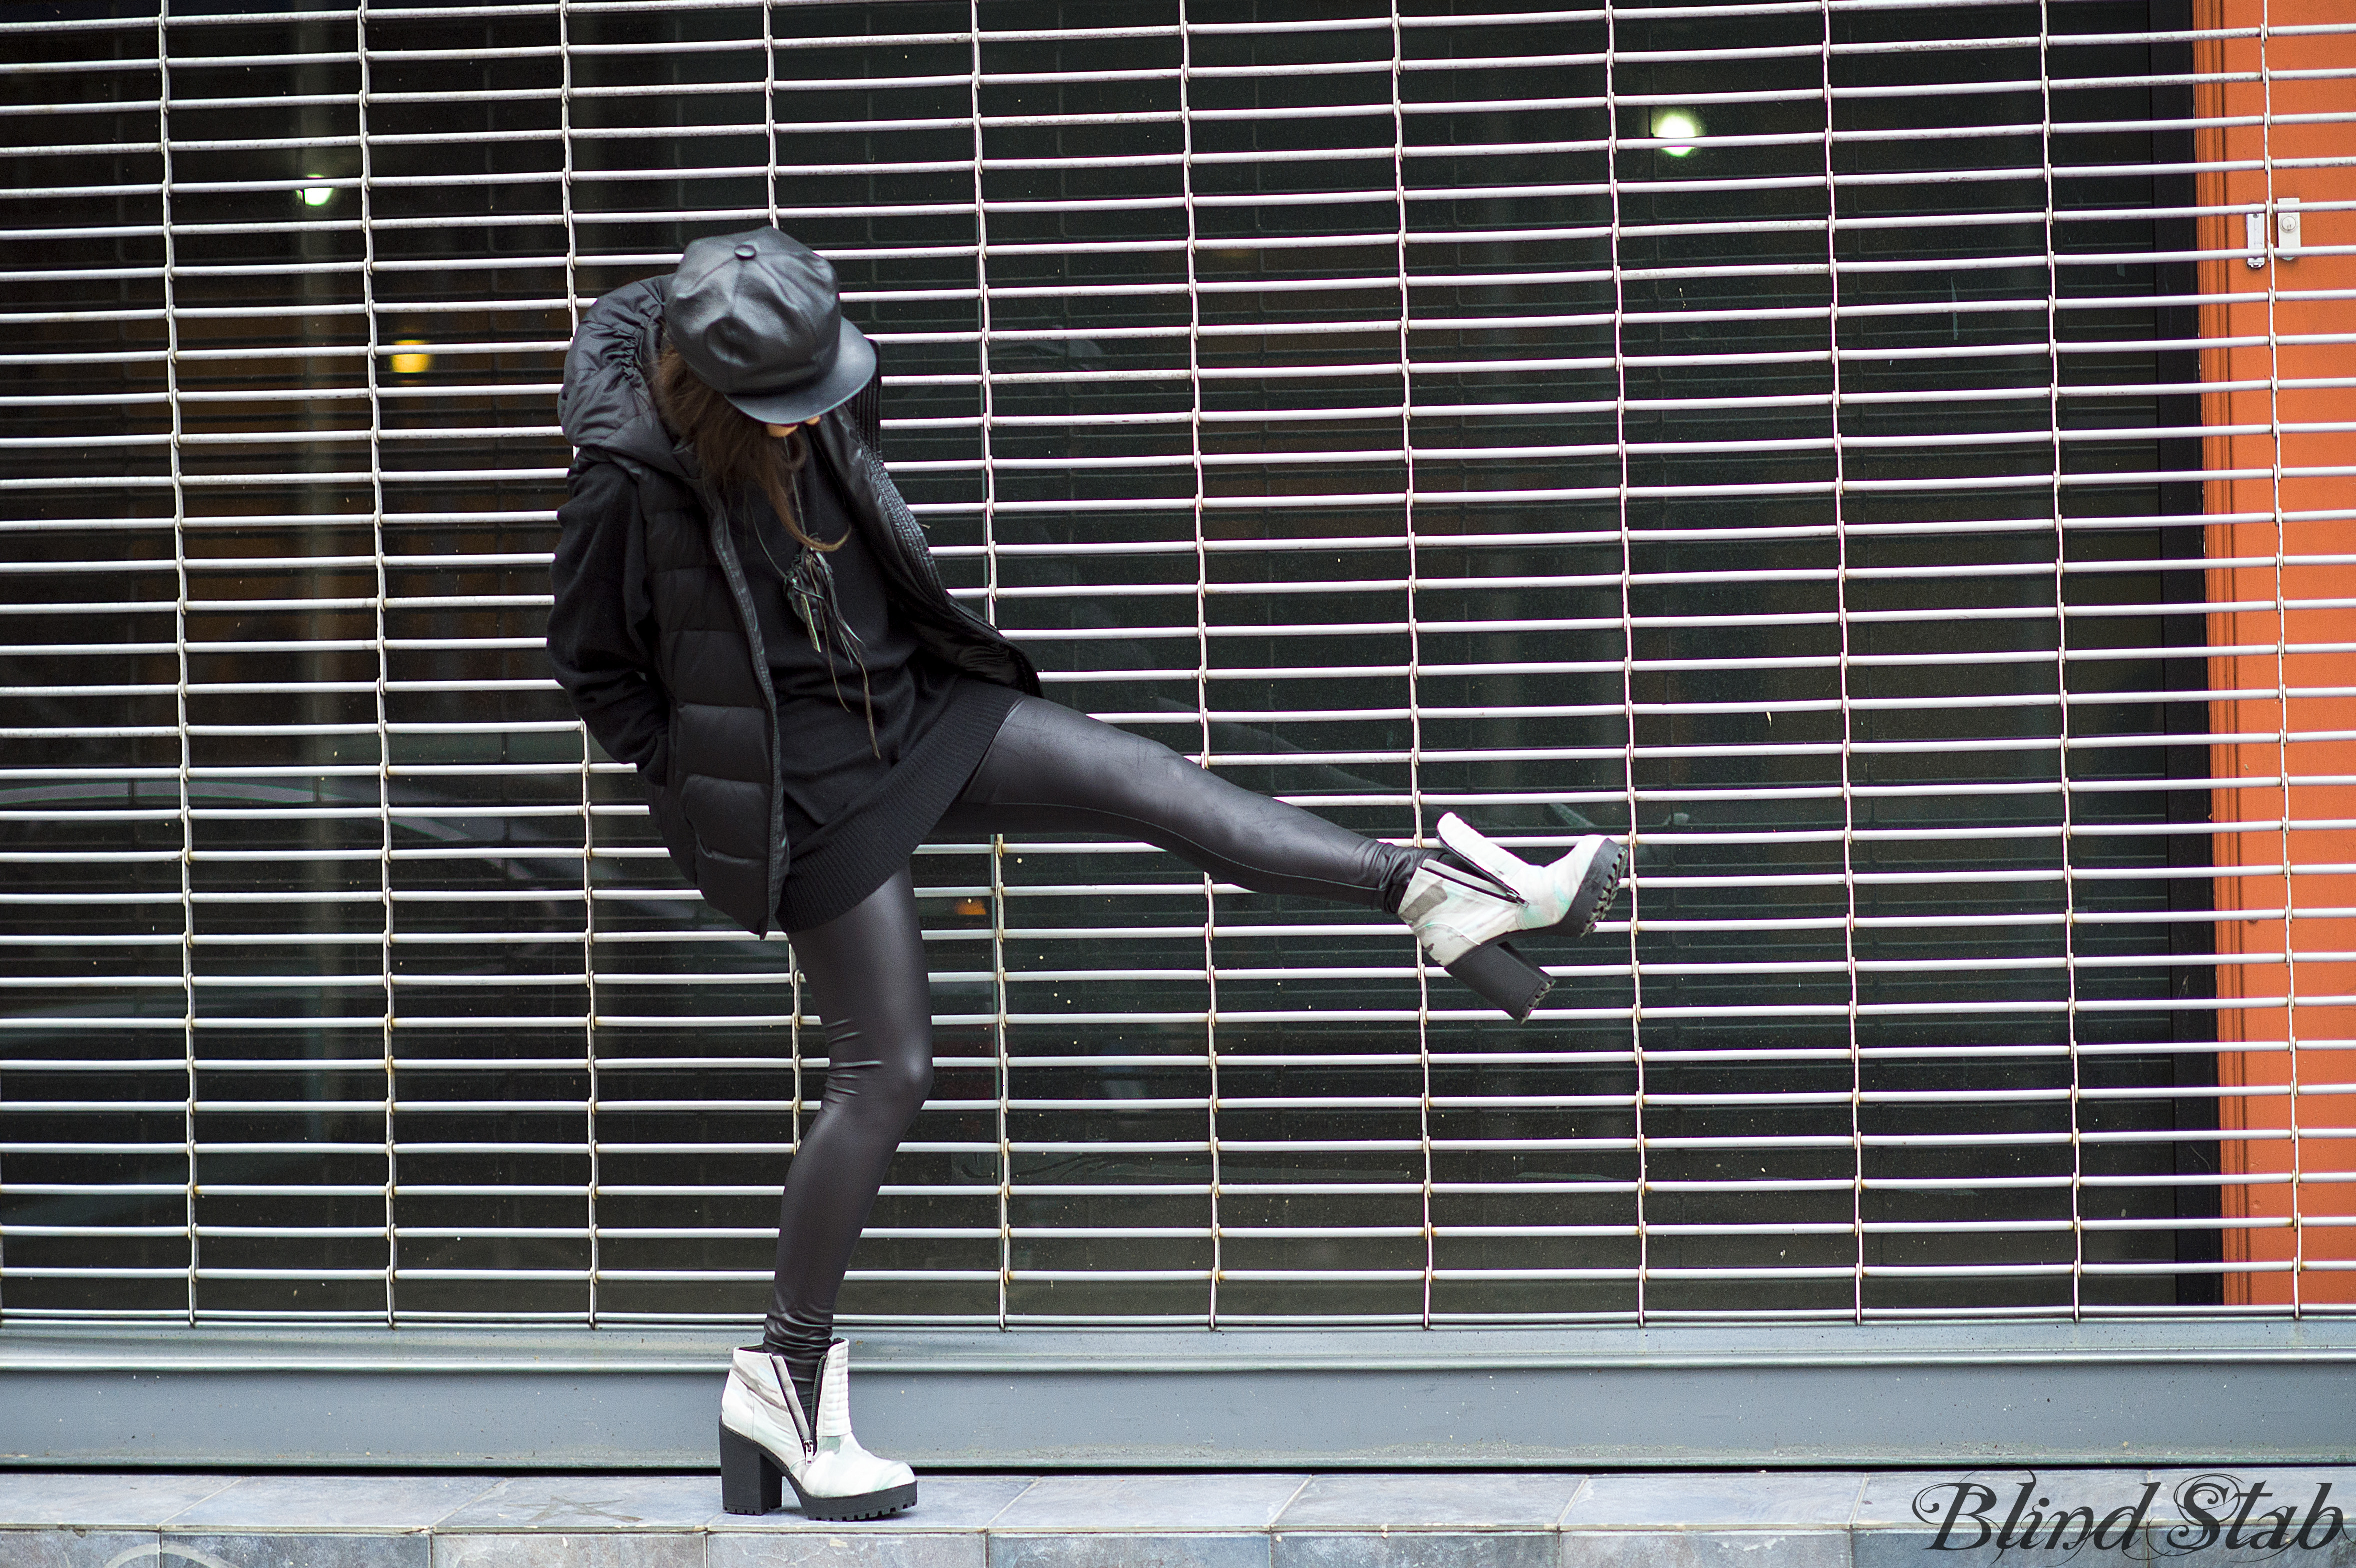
(1775, 431)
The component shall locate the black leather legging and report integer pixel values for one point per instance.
(1050, 770)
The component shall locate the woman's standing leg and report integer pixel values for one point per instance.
(868, 986)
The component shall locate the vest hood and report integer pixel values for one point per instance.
(607, 401)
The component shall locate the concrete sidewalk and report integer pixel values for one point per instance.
(1890, 1519)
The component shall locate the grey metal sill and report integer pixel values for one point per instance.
(2118, 1392)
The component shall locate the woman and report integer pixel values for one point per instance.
(746, 611)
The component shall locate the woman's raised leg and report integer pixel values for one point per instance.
(1052, 769)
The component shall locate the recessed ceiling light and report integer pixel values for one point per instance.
(1680, 130)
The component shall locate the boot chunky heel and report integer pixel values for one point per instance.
(1504, 978)
(1464, 909)
(766, 1436)
(748, 1477)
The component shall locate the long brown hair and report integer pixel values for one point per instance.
(736, 452)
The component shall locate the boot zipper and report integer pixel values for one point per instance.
(805, 1428)
(807, 1435)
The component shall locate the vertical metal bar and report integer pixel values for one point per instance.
(1201, 621)
(1002, 1074)
(982, 340)
(795, 1036)
(1627, 633)
(179, 642)
(1414, 643)
(769, 106)
(590, 998)
(1847, 711)
(794, 1032)
(2282, 661)
(383, 677)
(2061, 660)
(999, 1026)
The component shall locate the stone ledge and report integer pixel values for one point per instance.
(1683, 1397)
(2135, 1518)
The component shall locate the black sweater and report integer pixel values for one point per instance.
(857, 802)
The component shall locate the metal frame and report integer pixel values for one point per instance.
(1569, 544)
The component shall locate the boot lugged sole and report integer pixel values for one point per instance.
(867, 1505)
(752, 1482)
(1597, 889)
(1506, 980)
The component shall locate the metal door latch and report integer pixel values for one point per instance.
(2286, 232)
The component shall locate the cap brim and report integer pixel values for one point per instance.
(853, 366)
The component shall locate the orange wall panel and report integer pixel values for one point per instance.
(2279, 628)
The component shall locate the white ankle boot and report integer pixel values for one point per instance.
(764, 1433)
(1463, 917)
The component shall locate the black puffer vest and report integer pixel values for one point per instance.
(718, 802)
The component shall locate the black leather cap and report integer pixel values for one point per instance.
(756, 316)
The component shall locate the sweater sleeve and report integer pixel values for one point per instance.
(601, 629)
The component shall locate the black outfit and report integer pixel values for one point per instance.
(683, 651)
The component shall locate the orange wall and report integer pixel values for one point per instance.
(2287, 1119)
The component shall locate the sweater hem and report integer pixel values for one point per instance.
(831, 880)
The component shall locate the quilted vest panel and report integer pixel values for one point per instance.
(717, 807)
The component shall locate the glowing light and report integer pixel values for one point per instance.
(316, 195)
(1680, 130)
(411, 364)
